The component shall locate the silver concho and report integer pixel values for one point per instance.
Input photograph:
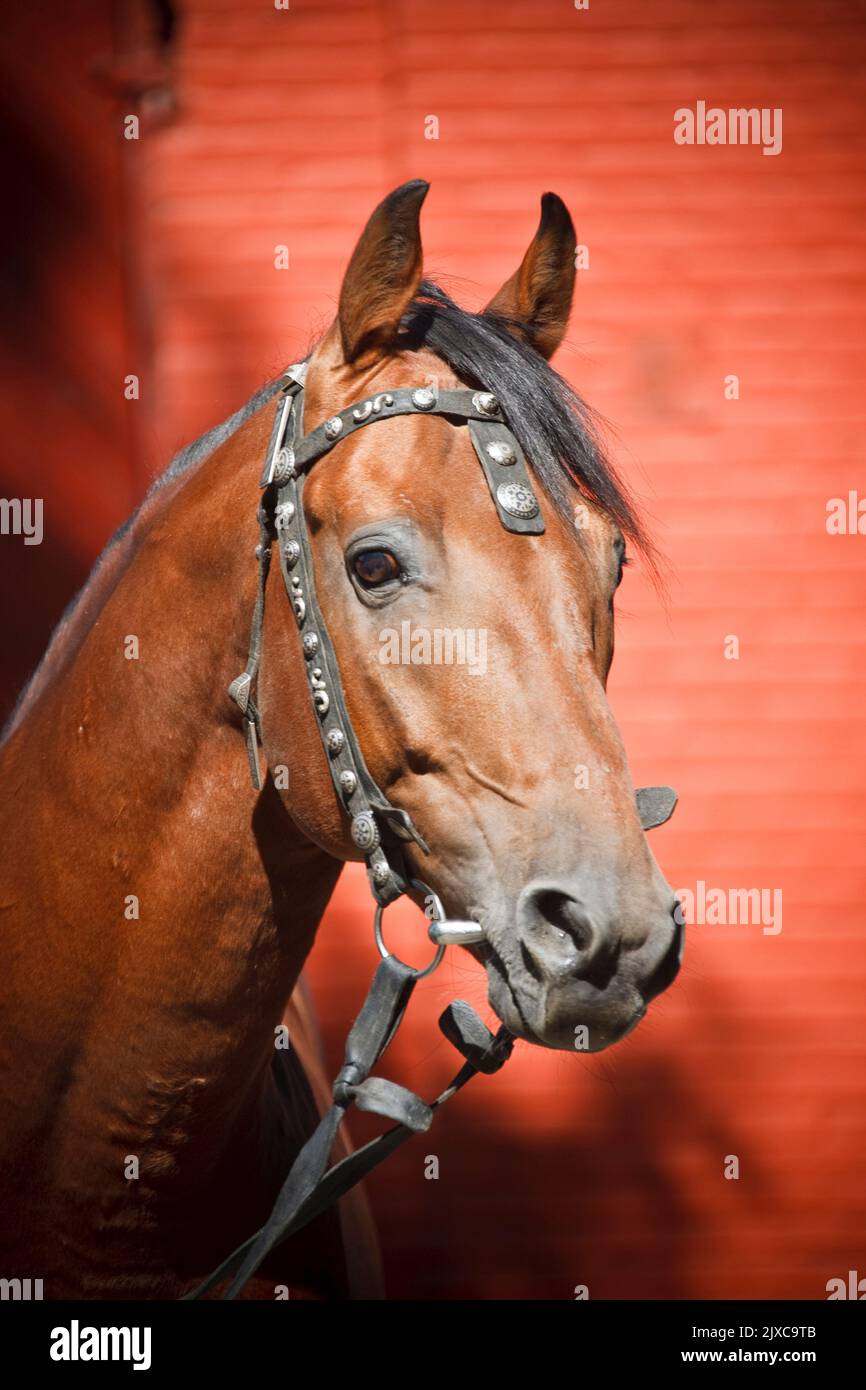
(284, 466)
(424, 398)
(516, 499)
(365, 831)
(333, 427)
(310, 644)
(381, 873)
(485, 403)
(335, 740)
(291, 554)
(348, 782)
(300, 608)
(284, 514)
(501, 452)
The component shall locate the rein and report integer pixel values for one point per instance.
(379, 829)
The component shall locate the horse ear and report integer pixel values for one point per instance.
(537, 298)
(383, 274)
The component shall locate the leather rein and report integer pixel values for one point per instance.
(379, 829)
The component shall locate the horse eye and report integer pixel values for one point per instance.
(375, 567)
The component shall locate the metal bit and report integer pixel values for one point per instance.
(455, 933)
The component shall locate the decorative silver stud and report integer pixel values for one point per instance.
(335, 739)
(284, 466)
(284, 514)
(516, 499)
(310, 645)
(371, 407)
(365, 831)
(424, 398)
(321, 698)
(300, 608)
(348, 782)
(333, 427)
(381, 873)
(501, 452)
(291, 554)
(485, 403)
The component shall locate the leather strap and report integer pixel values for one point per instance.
(655, 805)
(460, 403)
(308, 1189)
(378, 828)
(504, 466)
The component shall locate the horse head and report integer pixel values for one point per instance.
(474, 657)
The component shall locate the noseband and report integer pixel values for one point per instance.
(379, 830)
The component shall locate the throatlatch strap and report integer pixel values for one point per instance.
(243, 688)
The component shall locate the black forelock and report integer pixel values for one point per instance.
(555, 428)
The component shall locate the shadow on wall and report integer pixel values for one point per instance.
(641, 1195)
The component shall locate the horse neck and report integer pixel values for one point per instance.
(160, 898)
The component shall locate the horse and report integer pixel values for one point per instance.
(158, 908)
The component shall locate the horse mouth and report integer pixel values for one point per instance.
(575, 1017)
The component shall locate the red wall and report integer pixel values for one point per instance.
(704, 261)
(67, 436)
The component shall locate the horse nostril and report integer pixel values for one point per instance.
(566, 915)
(557, 933)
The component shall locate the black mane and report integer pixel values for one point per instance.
(555, 428)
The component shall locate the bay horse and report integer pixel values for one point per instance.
(157, 909)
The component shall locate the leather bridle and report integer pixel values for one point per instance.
(379, 829)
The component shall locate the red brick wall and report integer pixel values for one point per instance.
(704, 261)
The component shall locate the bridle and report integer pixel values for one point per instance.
(379, 829)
